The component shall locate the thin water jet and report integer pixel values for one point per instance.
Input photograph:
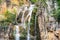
(30, 13)
(23, 20)
(35, 28)
(17, 35)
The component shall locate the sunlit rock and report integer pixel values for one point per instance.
(51, 36)
(3, 8)
(2, 17)
(16, 2)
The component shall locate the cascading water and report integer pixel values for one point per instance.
(23, 21)
(49, 3)
(29, 14)
(17, 35)
(28, 17)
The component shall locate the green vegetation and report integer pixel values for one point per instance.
(56, 13)
(33, 1)
(35, 29)
(33, 22)
(10, 18)
(0, 1)
(21, 3)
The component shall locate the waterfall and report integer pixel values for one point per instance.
(29, 14)
(23, 19)
(17, 35)
(49, 3)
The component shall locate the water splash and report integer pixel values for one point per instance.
(23, 21)
(17, 35)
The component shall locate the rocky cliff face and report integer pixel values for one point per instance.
(3, 8)
(11, 5)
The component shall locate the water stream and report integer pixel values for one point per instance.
(17, 35)
(27, 18)
(30, 13)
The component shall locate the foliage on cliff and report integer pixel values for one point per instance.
(56, 13)
(10, 18)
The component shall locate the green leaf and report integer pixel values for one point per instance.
(33, 1)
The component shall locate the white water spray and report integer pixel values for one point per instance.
(30, 13)
(28, 18)
(17, 35)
